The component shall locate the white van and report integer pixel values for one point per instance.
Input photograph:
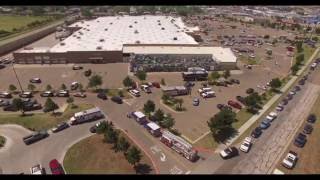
(208, 94)
(205, 89)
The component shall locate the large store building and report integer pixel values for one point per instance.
(113, 38)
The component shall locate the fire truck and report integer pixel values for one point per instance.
(179, 145)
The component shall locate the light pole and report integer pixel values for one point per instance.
(15, 73)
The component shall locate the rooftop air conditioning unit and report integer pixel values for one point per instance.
(162, 28)
(106, 29)
(111, 23)
(175, 38)
(135, 22)
(78, 37)
(136, 31)
(99, 47)
(62, 44)
(130, 26)
(159, 24)
(88, 25)
(138, 42)
(101, 40)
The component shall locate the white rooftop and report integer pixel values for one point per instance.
(139, 114)
(153, 126)
(111, 32)
(220, 54)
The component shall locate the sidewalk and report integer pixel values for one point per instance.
(266, 107)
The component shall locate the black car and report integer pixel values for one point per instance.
(312, 118)
(284, 101)
(297, 88)
(289, 97)
(229, 153)
(241, 99)
(60, 127)
(236, 81)
(2, 66)
(301, 82)
(256, 132)
(102, 95)
(300, 140)
(35, 137)
(305, 77)
(10, 108)
(32, 107)
(307, 129)
(4, 103)
(117, 99)
(250, 91)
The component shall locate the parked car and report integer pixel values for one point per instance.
(2, 66)
(300, 140)
(241, 99)
(313, 66)
(30, 106)
(60, 127)
(93, 129)
(5, 95)
(256, 132)
(56, 167)
(47, 94)
(290, 160)
(145, 88)
(37, 170)
(156, 84)
(229, 152)
(307, 129)
(77, 67)
(102, 96)
(236, 81)
(35, 80)
(271, 116)
(292, 93)
(250, 91)
(63, 93)
(246, 144)
(26, 94)
(117, 99)
(297, 88)
(196, 101)
(234, 104)
(134, 92)
(74, 86)
(10, 107)
(80, 94)
(284, 101)
(312, 118)
(301, 82)
(265, 124)
(279, 108)
(35, 137)
(289, 97)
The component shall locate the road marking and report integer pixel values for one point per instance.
(199, 138)
(175, 170)
(163, 157)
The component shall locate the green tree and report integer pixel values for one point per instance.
(299, 46)
(179, 102)
(133, 156)
(226, 74)
(252, 101)
(300, 59)
(80, 87)
(315, 38)
(122, 145)
(317, 30)
(86, 13)
(141, 75)
(48, 87)
(63, 87)
(275, 83)
(111, 136)
(12, 88)
(221, 121)
(163, 82)
(120, 93)
(95, 81)
(294, 69)
(167, 122)
(149, 107)
(50, 105)
(70, 101)
(102, 127)
(128, 82)
(158, 115)
(31, 87)
(18, 104)
(165, 97)
(215, 75)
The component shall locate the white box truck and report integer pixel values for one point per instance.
(86, 116)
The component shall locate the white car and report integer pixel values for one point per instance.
(205, 89)
(37, 170)
(135, 92)
(290, 160)
(271, 116)
(313, 65)
(208, 94)
(246, 144)
(292, 93)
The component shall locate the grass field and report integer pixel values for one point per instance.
(93, 156)
(115, 92)
(7, 23)
(43, 120)
(2, 141)
(309, 155)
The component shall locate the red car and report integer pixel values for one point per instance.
(234, 104)
(156, 84)
(56, 167)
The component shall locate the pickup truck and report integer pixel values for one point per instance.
(35, 137)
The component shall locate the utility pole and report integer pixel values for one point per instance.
(15, 73)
